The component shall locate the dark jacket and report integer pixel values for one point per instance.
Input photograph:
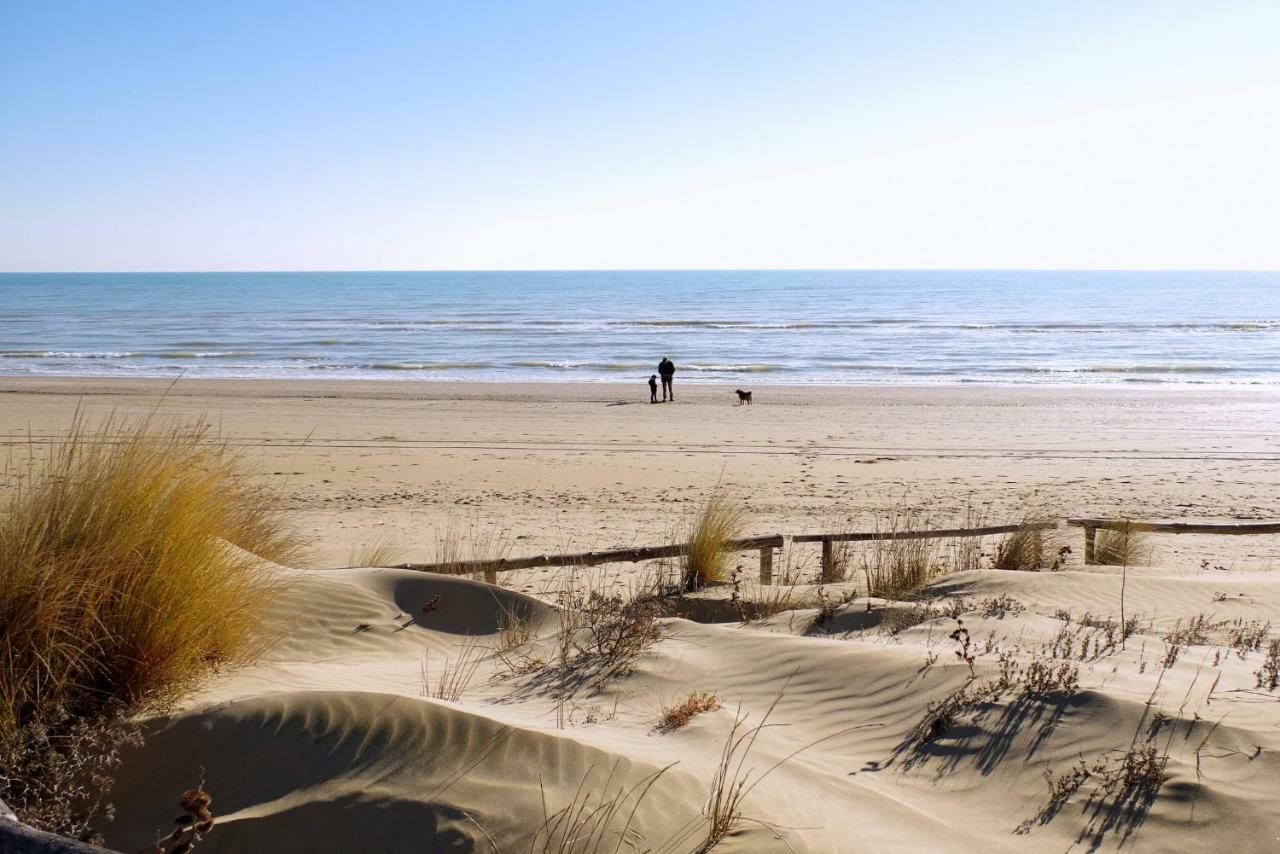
(666, 368)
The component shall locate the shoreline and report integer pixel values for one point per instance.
(440, 388)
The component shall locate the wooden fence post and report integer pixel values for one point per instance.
(828, 560)
(1090, 535)
(491, 574)
(766, 565)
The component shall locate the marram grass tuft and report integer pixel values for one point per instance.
(129, 568)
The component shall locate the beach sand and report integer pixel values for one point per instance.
(574, 467)
(331, 744)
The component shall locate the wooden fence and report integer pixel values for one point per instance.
(1091, 527)
(491, 568)
(828, 549)
(767, 545)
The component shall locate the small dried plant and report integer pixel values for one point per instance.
(734, 779)
(1246, 637)
(192, 826)
(591, 823)
(964, 646)
(1196, 631)
(1268, 675)
(1127, 780)
(1042, 678)
(455, 675)
(515, 626)
(55, 770)
(898, 620)
(827, 610)
(675, 717)
(999, 606)
(941, 715)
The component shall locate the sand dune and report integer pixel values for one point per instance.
(337, 740)
(329, 744)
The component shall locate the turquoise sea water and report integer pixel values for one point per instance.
(733, 326)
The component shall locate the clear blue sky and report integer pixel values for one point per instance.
(419, 135)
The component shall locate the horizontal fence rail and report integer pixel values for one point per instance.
(767, 545)
(866, 536)
(492, 567)
(1230, 528)
(1092, 526)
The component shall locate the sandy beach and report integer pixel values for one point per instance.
(394, 705)
(576, 467)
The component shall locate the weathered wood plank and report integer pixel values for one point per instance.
(584, 558)
(828, 561)
(865, 536)
(766, 565)
(1228, 528)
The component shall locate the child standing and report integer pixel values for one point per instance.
(653, 389)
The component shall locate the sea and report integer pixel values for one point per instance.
(757, 326)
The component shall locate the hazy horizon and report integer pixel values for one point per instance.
(301, 270)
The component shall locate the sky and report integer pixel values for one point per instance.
(609, 135)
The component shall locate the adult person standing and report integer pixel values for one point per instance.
(667, 370)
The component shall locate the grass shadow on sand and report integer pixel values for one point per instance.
(986, 735)
(982, 731)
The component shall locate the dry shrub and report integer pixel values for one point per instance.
(719, 521)
(1026, 548)
(1268, 675)
(898, 620)
(613, 630)
(1245, 637)
(1195, 632)
(515, 624)
(1041, 679)
(674, 717)
(941, 715)
(999, 606)
(600, 634)
(117, 584)
(55, 770)
(1120, 547)
(828, 609)
(1122, 782)
(120, 587)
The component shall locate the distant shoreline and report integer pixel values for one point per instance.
(632, 391)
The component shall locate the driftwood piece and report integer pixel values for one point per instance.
(17, 838)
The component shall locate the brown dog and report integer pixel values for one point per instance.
(743, 397)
